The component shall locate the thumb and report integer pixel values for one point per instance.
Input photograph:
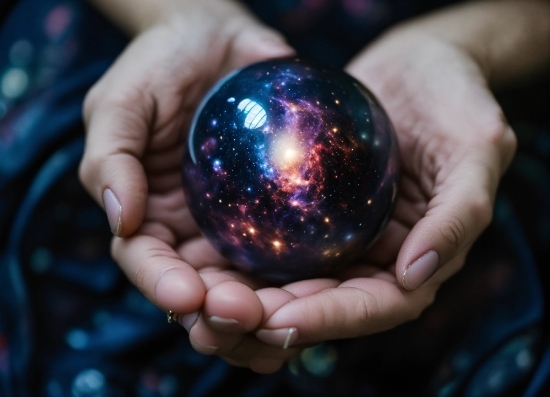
(111, 169)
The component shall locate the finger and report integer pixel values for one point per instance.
(464, 191)
(310, 287)
(456, 216)
(169, 209)
(255, 43)
(357, 307)
(232, 307)
(238, 347)
(385, 249)
(156, 270)
(385, 273)
(200, 253)
(275, 298)
(258, 43)
(272, 299)
(111, 171)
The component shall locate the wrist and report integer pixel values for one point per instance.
(136, 16)
(508, 39)
(130, 16)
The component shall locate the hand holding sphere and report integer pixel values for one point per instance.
(454, 145)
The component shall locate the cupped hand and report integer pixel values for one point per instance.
(454, 142)
(455, 146)
(136, 118)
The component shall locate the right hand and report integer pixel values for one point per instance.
(136, 117)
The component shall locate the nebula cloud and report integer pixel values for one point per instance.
(291, 169)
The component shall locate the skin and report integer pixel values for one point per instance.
(433, 77)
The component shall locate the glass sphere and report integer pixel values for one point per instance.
(291, 169)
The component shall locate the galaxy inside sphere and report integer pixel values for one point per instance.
(291, 169)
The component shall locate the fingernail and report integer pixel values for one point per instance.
(113, 210)
(284, 337)
(420, 270)
(229, 324)
(188, 320)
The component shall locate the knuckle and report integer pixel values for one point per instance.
(496, 132)
(482, 210)
(495, 129)
(88, 170)
(90, 101)
(369, 315)
(453, 232)
(132, 100)
(139, 280)
(84, 172)
(129, 99)
(365, 309)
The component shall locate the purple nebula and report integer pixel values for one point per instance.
(291, 169)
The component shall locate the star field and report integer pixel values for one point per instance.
(291, 169)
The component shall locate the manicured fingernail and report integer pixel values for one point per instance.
(420, 270)
(229, 324)
(188, 320)
(284, 337)
(113, 210)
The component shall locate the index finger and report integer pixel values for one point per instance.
(159, 272)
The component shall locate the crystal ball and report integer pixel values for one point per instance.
(291, 169)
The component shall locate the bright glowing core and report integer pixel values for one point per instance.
(286, 151)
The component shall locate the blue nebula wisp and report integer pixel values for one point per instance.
(291, 170)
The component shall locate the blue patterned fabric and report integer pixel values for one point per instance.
(71, 324)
